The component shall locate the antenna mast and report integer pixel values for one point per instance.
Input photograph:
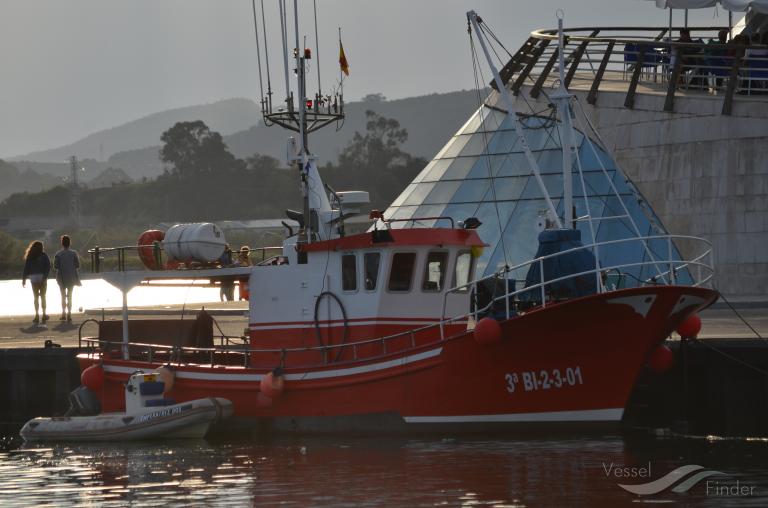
(304, 116)
(563, 100)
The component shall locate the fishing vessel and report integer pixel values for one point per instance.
(428, 321)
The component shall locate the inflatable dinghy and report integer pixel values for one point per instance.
(148, 416)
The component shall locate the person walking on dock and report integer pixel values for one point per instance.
(67, 263)
(37, 266)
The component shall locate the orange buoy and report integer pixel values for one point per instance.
(272, 384)
(93, 377)
(691, 327)
(167, 376)
(146, 245)
(487, 331)
(661, 359)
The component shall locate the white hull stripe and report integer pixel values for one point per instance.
(589, 415)
(305, 376)
(686, 301)
(352, 324)
(398, 362)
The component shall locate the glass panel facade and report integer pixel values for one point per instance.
(483, 172)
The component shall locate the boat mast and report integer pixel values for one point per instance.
(305, 117)
(563, 101)
(475, 21)
(305, 235)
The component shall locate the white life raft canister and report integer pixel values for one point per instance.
(202, 242)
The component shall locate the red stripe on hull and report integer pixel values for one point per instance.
(579, 356)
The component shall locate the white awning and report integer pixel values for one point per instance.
(730, 5)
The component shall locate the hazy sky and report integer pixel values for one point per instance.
(72, 67)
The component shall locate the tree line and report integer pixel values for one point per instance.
(204, 181)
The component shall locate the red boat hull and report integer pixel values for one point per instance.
(575, 361)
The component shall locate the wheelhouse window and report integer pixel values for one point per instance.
(371, 261)
(348, 272)
(434, 271)
(401, 274)
(464, 268)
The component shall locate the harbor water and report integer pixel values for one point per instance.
(337, 471)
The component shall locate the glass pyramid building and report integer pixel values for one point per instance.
(483, 172)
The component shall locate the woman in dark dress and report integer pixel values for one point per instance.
(37, 266)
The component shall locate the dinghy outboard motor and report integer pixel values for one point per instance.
(83, 402)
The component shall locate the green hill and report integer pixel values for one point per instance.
(28, 180)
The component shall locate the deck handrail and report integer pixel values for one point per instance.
(599, 56)
(97, 252)
(674, 264)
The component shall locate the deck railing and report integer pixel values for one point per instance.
(633, 59)
(666, 269)
(127, 257)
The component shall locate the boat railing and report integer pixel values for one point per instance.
(642, 59)
(124, 258)
(175, 354)
(422, 220)
(666, 268)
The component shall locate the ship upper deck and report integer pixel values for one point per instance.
(643, 60)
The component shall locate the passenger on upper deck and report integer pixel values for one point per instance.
(716, 51)
(243, 256)
(688, 60)
(722, 38)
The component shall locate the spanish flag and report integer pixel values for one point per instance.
(343, 59)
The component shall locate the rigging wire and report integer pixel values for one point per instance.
(258, 52)
(493, 48)
(283, 32)
(613, 187)
(588, 211)
(317, 52)
(266, 57)
(476, 71)
(730, 357)
(546, 124)
(740, 316)
(493, 35)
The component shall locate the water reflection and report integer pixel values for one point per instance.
(369, 472)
